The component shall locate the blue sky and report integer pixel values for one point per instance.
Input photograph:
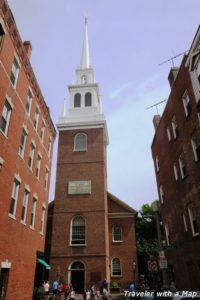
(127, 39)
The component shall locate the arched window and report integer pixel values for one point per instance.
(84, 79)
(77, 100)
(88, 99)
(78, 231)
(117, 233)
(77, 265)
(116, 267)
(80, 142)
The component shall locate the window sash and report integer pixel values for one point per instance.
(14, 72)
(116, 267)
(22, 143)
(175, 172)
(33, 212)
(14, 198)
(80, 142)
(24, 206)
(5, 119)
(38, 166)
(31, 156)
(193, 222)
(28, 103)
(42, 221)
(117, 233)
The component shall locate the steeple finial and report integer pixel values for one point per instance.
(85, 59)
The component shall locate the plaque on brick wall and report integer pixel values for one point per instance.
(79, 187)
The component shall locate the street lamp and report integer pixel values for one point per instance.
(162, 258)
(134, 269)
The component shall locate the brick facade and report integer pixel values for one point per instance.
(21, 236)
(177, 173)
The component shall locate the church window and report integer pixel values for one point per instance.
(116, 267)
(77, 100)
(80, 142)
(88, 99)
(117, 233)
(84, 79)
(78, 231)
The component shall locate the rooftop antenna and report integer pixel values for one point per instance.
(172, 59)
(156, 105)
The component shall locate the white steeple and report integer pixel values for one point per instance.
(85, 59)
(84, 103)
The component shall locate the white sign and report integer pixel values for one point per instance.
(79, 187)
(163, 264)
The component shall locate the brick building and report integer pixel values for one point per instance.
(91, 233)
(26, 139)
(176, 154)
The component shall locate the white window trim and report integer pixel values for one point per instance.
(42, 224)
(31, 155)
(181, 167)
(157, 164)
(13, 215)
(33, 210)
(174, 126)
(161, 194)
(17, 74)
(112, 275)
(8, 99)
(113, 236)
(168, 134)
(191, 222)
(3, 25)
(26, 200)
(175, 171)
(31, 100)
(185, 223)
(49, 146)
(38, 166)
(79, 150)
(194, 149)
(185, 96)
(167, 234)
(36, 117)
(46, 180)
(70, 242)
(25, 139)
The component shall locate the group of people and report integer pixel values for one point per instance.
(59, 289)
(93, 293)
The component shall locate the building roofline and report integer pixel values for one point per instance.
(121, 203)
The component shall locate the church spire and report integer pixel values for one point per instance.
(85, 59)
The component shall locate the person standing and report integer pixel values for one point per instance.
(46, 287)
(72, 294)
(55, 288)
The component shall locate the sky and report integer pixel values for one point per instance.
(128, 40)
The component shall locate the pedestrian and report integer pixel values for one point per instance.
(46, 287)
(97, 294)
(55, 288)
(132, 289)
(88, 295)
(105, 294)
(105, 284)
(60, 290)
(92, 292)
(72, 294)
(66, 290)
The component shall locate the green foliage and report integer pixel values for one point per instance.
(114, 285)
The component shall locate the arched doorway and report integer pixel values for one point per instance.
(78, 276)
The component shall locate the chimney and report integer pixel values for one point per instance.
(28, 47)
(172, 75)
(156, 121)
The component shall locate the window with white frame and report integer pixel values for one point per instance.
(42, 220)
(14, 198)
(46, 179)
(197, 70)
(14, 72)
(25, 206)
(78, 231)
(80, 142)
(168, 133)
(116, 233)
(2, 34)
(116, 267)
(161, 194)
(29, 103)
(77, 100)
(187, 104)
(157, 164)
(174, 127)
(195, 141)
(88, 99)
(36, 118)
(38, 166)
(167, 235)
(193, 221)
(5, 118)
(185, 222)
(49, 146)
(42, 131)
(182, 166)
(175, 171)
(31, 156)
(33, 212)
(23, 142)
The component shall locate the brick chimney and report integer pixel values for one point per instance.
(156, 121)
(172, 75)
(28, 47)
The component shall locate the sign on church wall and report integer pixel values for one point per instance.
(79, 187)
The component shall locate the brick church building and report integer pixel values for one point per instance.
(90, 232)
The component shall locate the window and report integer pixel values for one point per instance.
(88, 99)
(193, 221)
(185, 222)
(186, 104)
(36, 118)
(42, 131)
(80, 142)
(28, 103)
(23, 142)
(116, 267)
(33, 212)
(174, 127)
(157, 164)
(49, 147)
(182, 166)
(14, 198)
(25, 206)
(195, 141)
(84, 79)
(78, 231)
(46, 179)
(77, 100)
(5, 118)
(14, 72)
(167, 235)
(161, 194)
(175, 172)
(2, 33)
(42, 220)
(116, 233)
(197, 70)
(31, 156)
(39, 159)
(168, 134)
